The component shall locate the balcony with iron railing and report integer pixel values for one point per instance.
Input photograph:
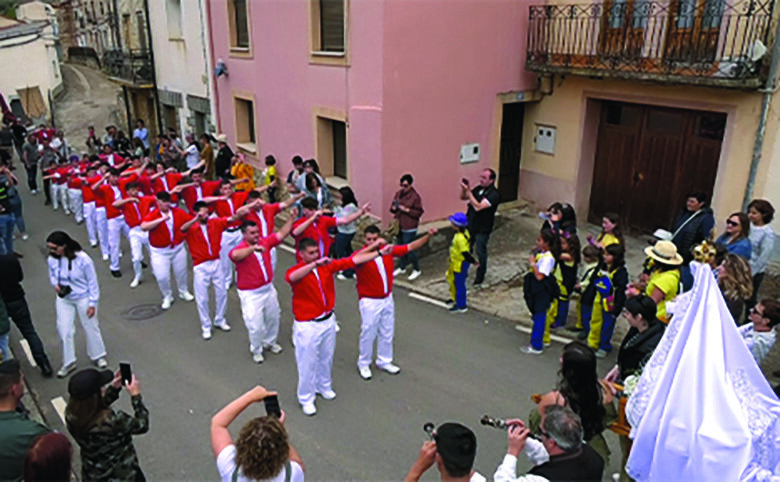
(130, 67)
(706, 42)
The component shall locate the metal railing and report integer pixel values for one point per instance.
(133, 66)
(698, 41)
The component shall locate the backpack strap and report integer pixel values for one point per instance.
(234, 477)
(287, 471)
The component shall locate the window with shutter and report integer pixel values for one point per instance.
(340, 149)
(332, 25)
(241, 35)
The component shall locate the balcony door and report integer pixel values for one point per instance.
(623, 28)
(693, 31)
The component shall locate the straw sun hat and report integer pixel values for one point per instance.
(664, 252)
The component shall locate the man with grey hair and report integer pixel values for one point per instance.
(561, 455)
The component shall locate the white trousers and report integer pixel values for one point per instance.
(229, 241)
(378, 319)
(205, 274)
(273, 259)
(59, 195)
(138, 240)
(314, 346)
(90, 219)
(116, 226)
(163, 259)
(66, 327)
(76, 204)
(261, 313)
(102, 229)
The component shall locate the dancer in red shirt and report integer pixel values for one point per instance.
(255, 275)
(315, 225)
(264, 215)
(377, 308)
(88, 200)
(167, 249)
(314, 329)
(135, 207)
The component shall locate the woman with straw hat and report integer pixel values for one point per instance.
(664, 282)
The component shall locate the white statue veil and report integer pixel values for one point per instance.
(702, 409)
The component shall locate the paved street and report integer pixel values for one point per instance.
(453, 368)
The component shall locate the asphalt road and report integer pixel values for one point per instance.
(453, 368)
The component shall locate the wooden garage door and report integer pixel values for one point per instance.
(649, 158)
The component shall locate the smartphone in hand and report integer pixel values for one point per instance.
(126, 373)
(272, 407)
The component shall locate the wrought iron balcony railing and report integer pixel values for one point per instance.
(690, 41)
(132, 66)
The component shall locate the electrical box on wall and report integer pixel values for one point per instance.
(469, 153)
(545, 139)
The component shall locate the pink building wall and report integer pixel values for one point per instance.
(423, 80)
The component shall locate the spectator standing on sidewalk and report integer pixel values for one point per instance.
(141, 132)
(407, 208)
(16, 304)
(30, 159)
(483, 203)
(6, 214)
(762, 240)
(224, 157)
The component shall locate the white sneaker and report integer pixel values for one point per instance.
(34, 192)
(101, 363)
(186, 296)
(25, 237)
(530, 350)
(135, 283)
(390, 368)
(67, 213)
(206, 334)
(328, 394)
(94, 245)
(275, 348)
(167, 301)
(414, 275)
(65, 370)
(338, 327)
(341, 277)
(258, 358)
(398, 271)
(365, 373)
(601, 354)
(309, 409)
(223, 326)
(105, 257)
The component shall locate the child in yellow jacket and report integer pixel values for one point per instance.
(460, 260)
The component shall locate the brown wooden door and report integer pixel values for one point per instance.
(693, 30)
(623, 24)
(510, 150)
(648, 159)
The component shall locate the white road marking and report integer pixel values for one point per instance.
(59, 406)
(287, 248)
(559, 339)
(432, 301)
(28, 352)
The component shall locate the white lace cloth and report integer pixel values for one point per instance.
(702, 409)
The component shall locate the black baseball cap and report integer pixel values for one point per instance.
(88, 382)
(457, 445)
(10, 367)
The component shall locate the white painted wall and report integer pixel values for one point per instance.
(182, 62)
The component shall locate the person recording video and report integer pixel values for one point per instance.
(453, 450)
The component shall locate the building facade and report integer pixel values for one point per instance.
(373, 90)
(183, 65)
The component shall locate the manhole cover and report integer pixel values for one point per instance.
(142, 312)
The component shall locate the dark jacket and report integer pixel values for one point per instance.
(222, 162)
(11, 279)
(410, 199)
(107, 450)
(482, 221)
(583, 464)
(637, 347)
(619, 285)
(696, 231)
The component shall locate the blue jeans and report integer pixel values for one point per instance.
(537, 333)
(563, 314)
(406, 237)
(343, 249)
(480, 246)
(7, 233)
(16, 209)
(607, 329)
(460, 286)
(5, 354)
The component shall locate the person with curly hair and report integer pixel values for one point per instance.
(262, 450)
(736, 283)
(762, 239)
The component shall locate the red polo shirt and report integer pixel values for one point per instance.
(369, 280)
(60, 175)
(228, 209)
(109, 195)
(74, 181)
(250, 273)
(117, 159)
(135, 212)
(161, 236)
(190, 195)
(318, 231)
(313, 296)
(202, 249)
(89, 194)
(268, 212)
(166, 183)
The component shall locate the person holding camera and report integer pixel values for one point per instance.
(453, 450)
(103, 434)
(262, 450)
(561, 454)
(72, 274)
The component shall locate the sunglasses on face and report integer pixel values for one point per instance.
(755, 311)
(403, 184)
(732, 223)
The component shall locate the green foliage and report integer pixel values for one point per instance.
(8, 8)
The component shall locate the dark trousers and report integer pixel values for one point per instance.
(480, 246)
(406, 237)
(753, 301)
(20, 314)
(32, 178)
(47, 190)
(343, 249)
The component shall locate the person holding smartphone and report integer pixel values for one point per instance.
(262, 451)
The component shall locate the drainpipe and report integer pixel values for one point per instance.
(154, 69)
(215, 92)
(766, 100)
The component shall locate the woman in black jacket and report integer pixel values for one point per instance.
(640, 341)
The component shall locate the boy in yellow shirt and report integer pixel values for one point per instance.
(460, 260)
(242, 170)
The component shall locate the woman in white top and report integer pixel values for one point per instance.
(72, 275)
(762, 240)
(345, 232)
(192, 152)
(262, 450)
